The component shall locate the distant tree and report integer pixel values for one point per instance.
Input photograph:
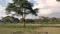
(0, 20)
(44, 19)
(10, 19)
(53, 20)
(21, 8)
(30, 21)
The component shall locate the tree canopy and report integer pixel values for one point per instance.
(21, 8)
(18, 5)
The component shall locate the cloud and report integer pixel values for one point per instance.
(2, 8)
(9, 1)
(44, 11)
(3, 5)
(47, 7)
(2, 11)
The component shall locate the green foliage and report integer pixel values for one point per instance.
(10, 19)
(44, 20)
(18, 6)
(29, 21)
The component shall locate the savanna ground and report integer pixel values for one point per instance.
(30, 29)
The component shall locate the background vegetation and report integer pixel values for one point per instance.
(40, 20)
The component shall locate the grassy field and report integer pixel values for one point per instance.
(30, 29)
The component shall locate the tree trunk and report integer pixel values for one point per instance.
(23, 17)
(24, 20)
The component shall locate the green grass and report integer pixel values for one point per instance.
(29, 28)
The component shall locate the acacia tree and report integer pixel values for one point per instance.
(21, 8)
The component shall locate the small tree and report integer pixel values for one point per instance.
(21, 8)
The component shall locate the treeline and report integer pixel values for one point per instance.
(47, 20)
(9, 19)
(41, 20)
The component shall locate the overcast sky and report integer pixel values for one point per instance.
(50, 8)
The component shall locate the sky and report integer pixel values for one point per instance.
(48, 8)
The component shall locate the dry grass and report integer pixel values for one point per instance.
(50, 30)
(36, 29)
(43, 30)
